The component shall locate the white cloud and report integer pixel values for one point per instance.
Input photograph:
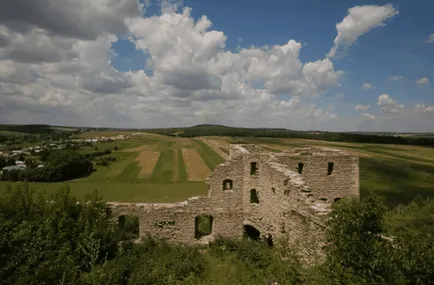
(388, 105)
(430, 39)
(67, 77)
(396, 77)
(368, 116)
(424, 108)
(422, 81)
(362, 107)
(367, 86)
(359, 21)
(58, 73)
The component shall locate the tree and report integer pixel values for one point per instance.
(2, 162)
(52, 239)
(10, 161)
(68, 164)
(357, 251)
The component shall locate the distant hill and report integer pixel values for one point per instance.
(220, 130)
(34, 129)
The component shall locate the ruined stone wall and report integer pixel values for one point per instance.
(176, 222)
(292, 206)
(343, 181)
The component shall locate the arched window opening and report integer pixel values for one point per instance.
(254, 197)
(300, 168)
(251, 232)
(203, 225)
(227, 184)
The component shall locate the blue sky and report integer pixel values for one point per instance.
(399, 48)
(159, 83)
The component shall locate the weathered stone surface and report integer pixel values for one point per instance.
(292, 206)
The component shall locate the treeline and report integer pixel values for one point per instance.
(95, 154)
(57, 239)
(216, 130)
(60, 165)
(29, 129)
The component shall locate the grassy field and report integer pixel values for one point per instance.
(397, 172)
(121, 180)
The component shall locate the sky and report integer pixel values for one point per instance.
(337, 65)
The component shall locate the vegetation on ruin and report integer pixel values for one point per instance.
(55, 238)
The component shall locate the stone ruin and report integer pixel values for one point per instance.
(280, 196)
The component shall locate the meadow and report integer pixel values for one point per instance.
(155, 168)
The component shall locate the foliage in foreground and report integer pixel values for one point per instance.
(48, 238)
(362, 250)
(56, 239)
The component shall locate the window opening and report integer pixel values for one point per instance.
(254, 197)
(330, 168)
(203, 226)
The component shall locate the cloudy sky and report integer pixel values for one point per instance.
(311, 64)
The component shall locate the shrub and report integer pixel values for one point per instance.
(52, 239)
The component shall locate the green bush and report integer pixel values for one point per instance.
(46, 239)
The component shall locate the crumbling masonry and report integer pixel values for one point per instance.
(282, 195)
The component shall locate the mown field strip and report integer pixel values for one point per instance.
(219, 146)
(147, 160)
(163, 170)
(209, 156)
(197, 170)
(182, 172)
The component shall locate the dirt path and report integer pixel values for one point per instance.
(196, 168)
(147, 160)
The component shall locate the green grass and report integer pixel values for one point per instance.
(398, 180)
(209, 156)
(124, 169)
(163, 170)
(126, 192)
(182, 172)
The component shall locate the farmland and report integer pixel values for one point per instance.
(155, 168)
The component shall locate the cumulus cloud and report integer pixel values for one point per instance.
(422, 81)
(430, 39)
(59, 71)
(396, 77)
(359, 21)
(54, 67)
(388, 105)
(362, 107)
(367, 86)
(75, 18)
(366, 116)
(424, 108)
